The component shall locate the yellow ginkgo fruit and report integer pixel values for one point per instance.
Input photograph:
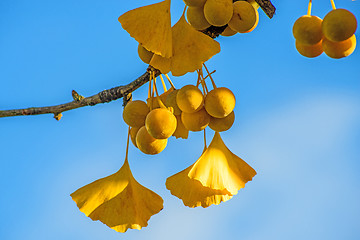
(222, 124)
(339, 25)
(144, 54)
(196, 18)
(118, 201)
(219, 169)
(191, 48)
(181, 131)
(195, 3)
(160, 123)
(245, 17)
(220, 102)
(192, 192)
(133, 132)
(228, 32)
(135, 112)
(339, 49)
(151, 27)
(218, 12)
(189, 99)
(309, 51)
(196, 121)
(253, 3)
(307, 30)
(148, 144)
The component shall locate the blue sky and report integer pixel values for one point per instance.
(297, 123)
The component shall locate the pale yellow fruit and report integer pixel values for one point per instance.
(144, 54)
(160, 123)
(309, 51)
(339, 25)
(195, 3)
(189, 99)
(196, 18)
(222, 124)
(245, 17)
(220, 102)
(147, 144)
(218, 12)
(228, 32)
(196, 121)
(181, 131)
(339, 49)
(133, 132)
(307, 30)
(171, 102)
(135, 112)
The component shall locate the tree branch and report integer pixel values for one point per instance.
(116, 92)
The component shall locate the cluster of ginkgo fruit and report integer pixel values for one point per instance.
(334, 35)
(178, 111)
(240, 16)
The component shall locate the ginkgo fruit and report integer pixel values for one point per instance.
(189, 99)
(133, 132)
(195, 121)
(135, 112)
(171, 102)
(148, 144)
(307, 30)
(195, 3)
(339, 49)
(222, 124)
(253, 3)
(339, 25)
(160, 123)
(245, 17)
(220, 102)
(309, 51)
(144, 54)
(228, 32)
(196, 18)
(218, 12)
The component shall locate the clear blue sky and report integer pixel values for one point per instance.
(297, 123)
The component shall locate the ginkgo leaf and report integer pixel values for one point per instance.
(118, 201)
(191, 48)
(192, 192)
(218, 168)
(161, 63)
(151, 27)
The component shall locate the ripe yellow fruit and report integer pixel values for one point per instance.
(228, 32)
(133, 132)
(218, 12)
(135, 112)
(144, 54)
(181, 131)
(339, 49)
(171, 102)
(245, 17)
(196, 18)
(195, 3)
(189, 99)
(339, 25)
(196, 121)
(220, 102)
(147, 144)
(307, 30)
(222, 124)
(160, 123)
(309, 51)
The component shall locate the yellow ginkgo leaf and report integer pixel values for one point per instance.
(161, 63)
(181, 131)
(218, 168)
(192, 192)
(151, 27)
(191, 48)
(118, 201)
